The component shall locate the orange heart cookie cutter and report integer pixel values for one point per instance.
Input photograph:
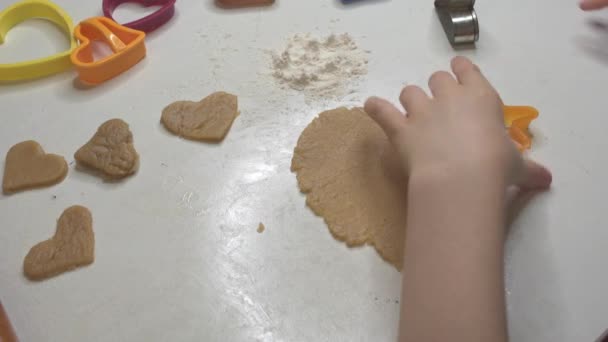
(517, 121)
(127, 46)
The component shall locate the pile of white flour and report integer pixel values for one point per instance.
(325, 67)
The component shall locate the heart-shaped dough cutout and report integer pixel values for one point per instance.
(73, 245)
(27, 166)
(209, 119)
(110, 150)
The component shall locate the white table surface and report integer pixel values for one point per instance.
(178, 257)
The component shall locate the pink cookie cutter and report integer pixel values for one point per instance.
(148, 23)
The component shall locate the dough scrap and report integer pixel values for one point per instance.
(208, 120)
(351, 177)
(72, 246)
(27, 166)
(110, 150)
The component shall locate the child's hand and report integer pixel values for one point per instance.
(589, 5)
(458, 132)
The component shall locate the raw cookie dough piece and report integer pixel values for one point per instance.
(207, 120)
(110, 150)
(27, 166)
(72, 246)
(351, 177)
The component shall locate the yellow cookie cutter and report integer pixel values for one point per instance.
(517, 120)
(29, 9)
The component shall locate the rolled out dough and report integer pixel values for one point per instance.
(351, 177)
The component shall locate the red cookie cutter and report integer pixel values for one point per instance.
(148, 23)
(127, 44)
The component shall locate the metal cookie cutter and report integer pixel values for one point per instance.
(127, 44)
(243, 3)
(459, 20)
(148, 23)
(517, 120)
(28, 9)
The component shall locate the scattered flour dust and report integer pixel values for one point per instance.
(320, 67)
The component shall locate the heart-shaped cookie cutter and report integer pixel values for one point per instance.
(517, 120)
(148, 23)
(127, 44)
(29, 9)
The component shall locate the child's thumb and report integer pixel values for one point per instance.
(534, 176)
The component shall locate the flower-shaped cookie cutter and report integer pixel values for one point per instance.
(127, 44)
(517, 120)
(29, 9)
(148, 23)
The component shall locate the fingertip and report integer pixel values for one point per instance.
(536, 176)
(441, 82)
(385, 114)
(590, 5)
(371, 105)
(413, 99)
(461, 64)
(460, 61)
(544, 178)
(409, 88)
(584, 5)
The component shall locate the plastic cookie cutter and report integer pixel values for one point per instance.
(459, 20)
(127, 44)
(243, 3)
(29, 9)
(517, 120)
(148, 23)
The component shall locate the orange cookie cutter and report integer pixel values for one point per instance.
(517, 121)
(127, 44)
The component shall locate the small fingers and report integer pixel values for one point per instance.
(441, 82)
(534, 176)
(590, 5)
(468, 73)
(413, 99)
(387, 116)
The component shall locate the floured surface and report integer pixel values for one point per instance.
(209, 119)
(202, 269)
(28, 166)
(73, 245)
(110, 151)
(346, 167)
(320, 67)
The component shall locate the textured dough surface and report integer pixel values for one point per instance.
(209, 119)
(350, 175)
(110, 150)
(72, 246)
(27, 166)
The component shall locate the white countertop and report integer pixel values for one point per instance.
(178, 257)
